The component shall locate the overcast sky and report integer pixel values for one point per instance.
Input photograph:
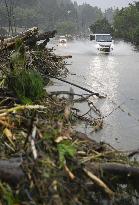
(107, 3)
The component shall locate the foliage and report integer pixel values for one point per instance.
(27, 85)
(101, 26)
(109, 14)
(3, 32)
(6, 194)
(126, 23)
(65, 149)
(66, 27)
(135, 35)
(88, 15)
(27, 17)
(48, 14)
(17, 58)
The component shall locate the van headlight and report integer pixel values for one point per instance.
(97, 46)
(112, 46)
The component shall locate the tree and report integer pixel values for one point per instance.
(126, 23)
(3, 32)
(66, 27)
(10, 6)
(109, 14)
(101, 26)
(135, 36)
(47, 14)
(88, 15)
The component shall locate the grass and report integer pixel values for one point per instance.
(28, 85)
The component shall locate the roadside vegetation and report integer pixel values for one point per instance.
(124, 23)
(102, 26)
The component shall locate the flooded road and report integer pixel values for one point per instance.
(117, 76)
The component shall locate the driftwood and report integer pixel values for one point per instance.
(99, 183)
(134, 152)
(66, 57)
(11, 171)
(123, 171)
(9, 43)
(30, 37)
(78, 86)
(45, 37)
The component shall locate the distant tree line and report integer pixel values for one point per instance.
(102, 26)
(126, 23)
(63, 15)
(68, 17)
(123, 23)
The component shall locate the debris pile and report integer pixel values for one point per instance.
(44, 160)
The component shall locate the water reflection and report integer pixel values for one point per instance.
(104, 78)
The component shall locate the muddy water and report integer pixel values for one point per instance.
(115, 74)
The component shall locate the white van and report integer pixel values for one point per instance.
(62, 40)
(103, 42)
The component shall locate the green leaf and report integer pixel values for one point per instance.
(7, 194)
(65, 149)
(27, 85)
(18, 58)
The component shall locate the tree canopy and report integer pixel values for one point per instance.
(68, 17)
(126, 23)
(101, 26)
(49, 14)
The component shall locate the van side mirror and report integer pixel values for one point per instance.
(92, 37)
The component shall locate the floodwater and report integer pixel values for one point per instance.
(115, 75)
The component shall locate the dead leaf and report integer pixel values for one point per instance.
(8, 134)
(67, 112)
(61, 138)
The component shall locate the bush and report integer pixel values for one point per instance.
(135, 38)
(27, 85)
(66, 27)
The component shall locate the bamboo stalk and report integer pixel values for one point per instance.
(20, 107)
(99, 183)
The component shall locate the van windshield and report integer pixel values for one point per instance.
(103, 38)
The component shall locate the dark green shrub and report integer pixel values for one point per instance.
(28, 85)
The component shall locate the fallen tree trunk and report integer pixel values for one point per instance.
(99, 183)
(28, 33)
(78, 86)
(11, 171)
(123, 171)
(30, 37)
(45, 37)
(9, 43)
